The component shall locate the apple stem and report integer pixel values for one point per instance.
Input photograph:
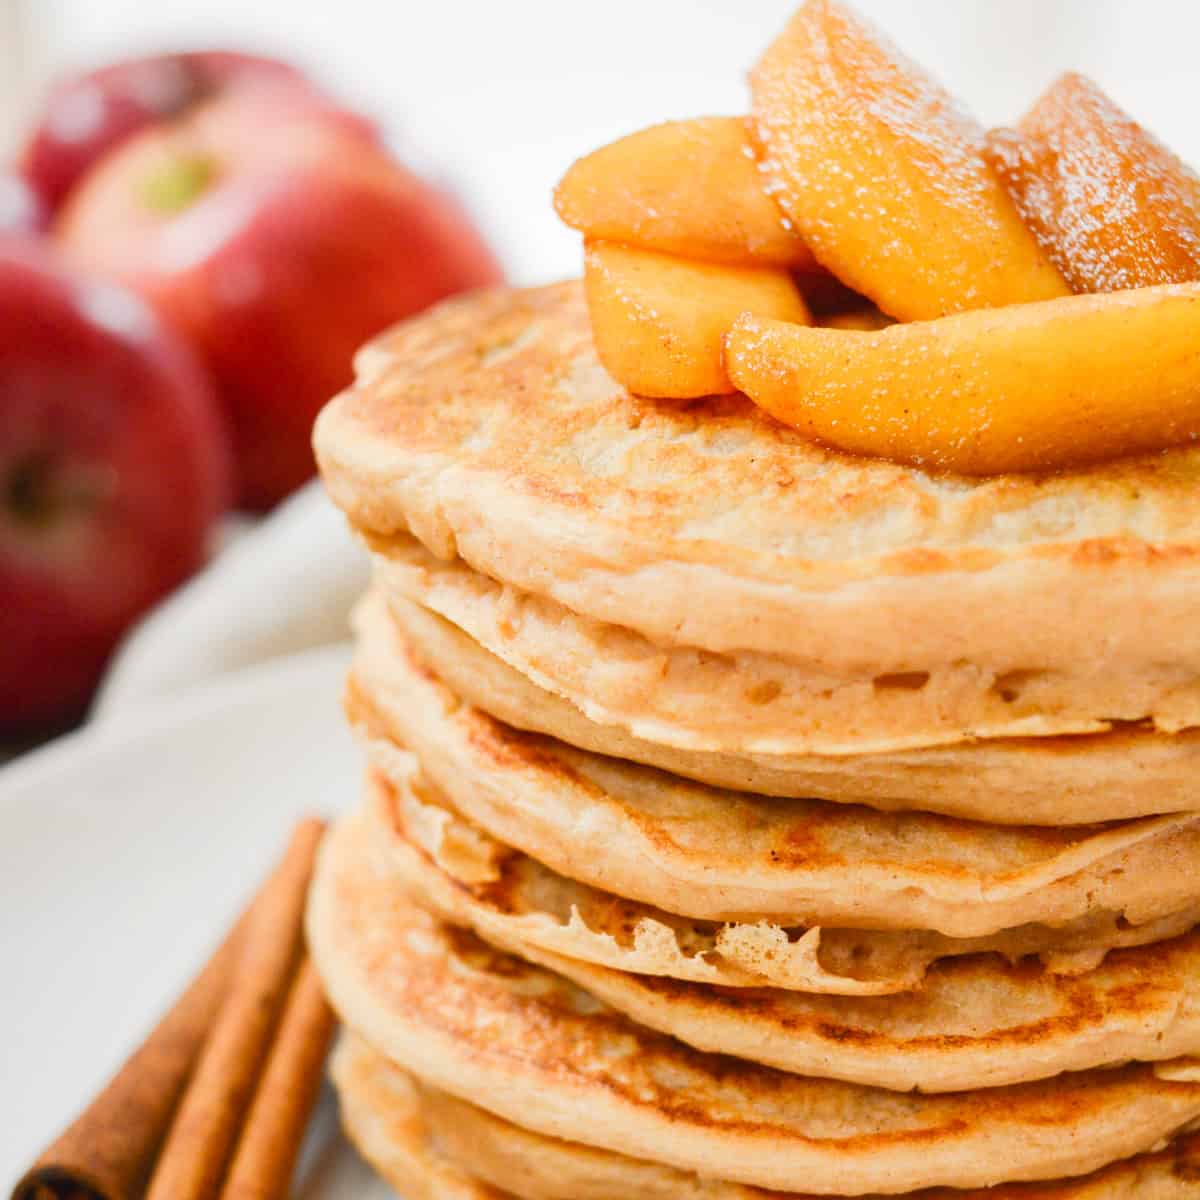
(37, 494)
(178, 182)
(28, 490)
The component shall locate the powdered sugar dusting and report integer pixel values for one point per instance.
(884, 175)
(1114, 207)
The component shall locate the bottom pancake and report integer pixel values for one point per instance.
(430, 1146)
(529, 1046)
(383, 1114)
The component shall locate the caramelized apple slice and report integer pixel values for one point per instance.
(690, 188)
(1113, 207)
(658, 321)
(884, 178)
(1029, 387)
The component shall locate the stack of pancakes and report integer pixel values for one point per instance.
(743, 818)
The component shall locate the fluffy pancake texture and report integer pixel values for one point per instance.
(531, 1047)
(469, 878)
(763, 703)
(488, 431)
(975, 1022)
(1040, 781)
(715, 854)
(384, 1115)
(432, 1146)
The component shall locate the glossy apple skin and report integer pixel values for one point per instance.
(20, 209)
(320, 264)
(114, 466)
(86, 116)
(306, 243)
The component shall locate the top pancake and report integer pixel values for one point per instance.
(488, 429)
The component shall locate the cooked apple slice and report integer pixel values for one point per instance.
(1029, 387)
(1113, 207)
(658, 321)
(883, 176)
(690, 188)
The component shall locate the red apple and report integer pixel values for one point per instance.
(113, 468)
(86, 116)
(277, 244)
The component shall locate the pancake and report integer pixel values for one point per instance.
(431, 1146)
(384, 1116)
(467, 878)
(528, 1045)
(549, 1170)
(488, 430)
(719, 855)
(422, 1140)
(751, 702)
(1060, 781)
(973, 1022)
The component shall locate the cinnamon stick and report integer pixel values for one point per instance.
(196, 1153)
(107, 1150)
(270, 1142)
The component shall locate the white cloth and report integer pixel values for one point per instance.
(286, 585)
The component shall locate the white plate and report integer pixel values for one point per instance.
(124, 854)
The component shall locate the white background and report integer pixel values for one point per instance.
(503, 95)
